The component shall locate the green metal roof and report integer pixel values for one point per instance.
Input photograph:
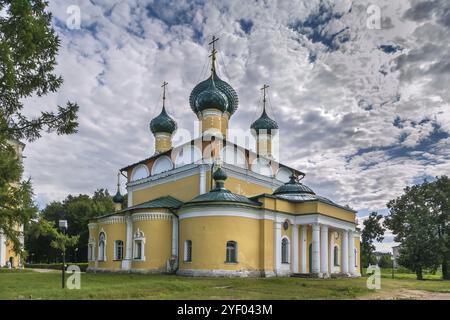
(162, 202)
(222, 86)
(211, 98)
(163, 123)
(293, 187)
(220, 194)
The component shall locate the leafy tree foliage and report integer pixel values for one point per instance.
(28, 50)
(77, 210)
(416, 226)
(385, 261)
(373, 230)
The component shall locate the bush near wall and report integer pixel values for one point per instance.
(55, 266)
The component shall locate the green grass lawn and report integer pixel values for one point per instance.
(26, 284)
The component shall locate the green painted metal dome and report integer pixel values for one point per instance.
(163, 123)
(264, 122)
(222, 86)
(293, 187)
(211, 98)
(118, 198)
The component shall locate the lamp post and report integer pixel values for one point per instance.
(393, 265)
(63, 226)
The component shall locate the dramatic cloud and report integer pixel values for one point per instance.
(362, 111)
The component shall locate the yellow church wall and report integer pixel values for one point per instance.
(113, 232)
(245, 188)
(209, 236)
(183, 189)
(158, 244)
(267, 240)
(358, 252)
(306, 207)
(335, 212)
(11, 253)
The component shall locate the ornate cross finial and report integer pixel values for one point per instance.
(164, 85)
(213, 53)
(118, 180)
(264, 94)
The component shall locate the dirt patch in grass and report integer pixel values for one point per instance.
(407, 294)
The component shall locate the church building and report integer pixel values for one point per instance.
(210, 207)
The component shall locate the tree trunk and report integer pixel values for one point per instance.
(419, 275)
(445, 273)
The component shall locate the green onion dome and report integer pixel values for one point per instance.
(118, 198)
(264, 122)
(220, 175)
(231, 96)
(211, 98)
(163, 123)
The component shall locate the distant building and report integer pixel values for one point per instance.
(7, 255)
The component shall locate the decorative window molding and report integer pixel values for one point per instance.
(102, 246)
(139, 246)
(231, 252)
(285, 250)
(118, 250)
(188, 251)
(91, 249)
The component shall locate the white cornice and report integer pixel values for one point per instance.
(144, 216)
(112, 220)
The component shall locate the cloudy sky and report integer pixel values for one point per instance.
(359, 88)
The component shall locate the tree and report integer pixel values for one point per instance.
(77, 210)
(439, 193)
(414, 225)
(385, 261)
(373, 230)
(28, 50)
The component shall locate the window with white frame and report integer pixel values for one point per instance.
(188, 251)
(118, 250)
(139, 245)
(231, 255)
(336, 256)
(285, 250)
(102, 247)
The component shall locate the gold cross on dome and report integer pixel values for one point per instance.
(164, 85)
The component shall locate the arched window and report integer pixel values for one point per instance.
(162, 164)
(139, 243)
(336, 256)
(231, 252)
(285, 250)
(102, 247)
(188, 251)
(118, 250)
(139, 172)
